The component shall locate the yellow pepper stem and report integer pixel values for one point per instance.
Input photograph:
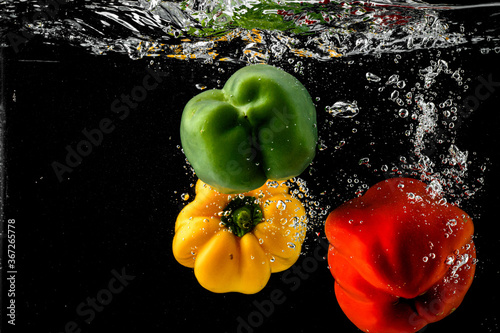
(241, 215)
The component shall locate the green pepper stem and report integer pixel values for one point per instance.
(241, 215)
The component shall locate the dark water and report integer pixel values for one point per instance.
(401, 89)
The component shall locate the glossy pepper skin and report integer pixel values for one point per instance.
(400, 256)
(225, 262)
(261, 125)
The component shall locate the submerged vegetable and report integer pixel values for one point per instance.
(401, 257)
(261, 125)
(234, 243)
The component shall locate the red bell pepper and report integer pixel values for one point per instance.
(401, 256)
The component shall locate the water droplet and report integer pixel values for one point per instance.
(281, 205)
(200, 86)
(340, 145)
(425, 259)
(291, 245)
(372, 77)
(458, 157)
(392, 79)
(272, 184)
(434, 189)
(343, 109)
(403, 113)
(185, 196)
(364, 160)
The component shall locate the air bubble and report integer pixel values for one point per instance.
(392, 79)
(403, 113)
(372, 77)
(343, 109)
(364, 160)
(281, 205)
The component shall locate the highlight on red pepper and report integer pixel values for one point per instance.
(235, 242)
(401, 256)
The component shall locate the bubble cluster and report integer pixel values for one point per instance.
(431, 123)
(316, 212)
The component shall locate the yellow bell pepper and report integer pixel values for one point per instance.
(234, 242)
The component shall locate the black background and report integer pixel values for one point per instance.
(117, 209)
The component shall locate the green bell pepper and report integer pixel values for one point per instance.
(261, 125)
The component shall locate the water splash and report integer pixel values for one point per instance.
(251, 31)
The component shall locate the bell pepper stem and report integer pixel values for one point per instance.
(241, 215)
